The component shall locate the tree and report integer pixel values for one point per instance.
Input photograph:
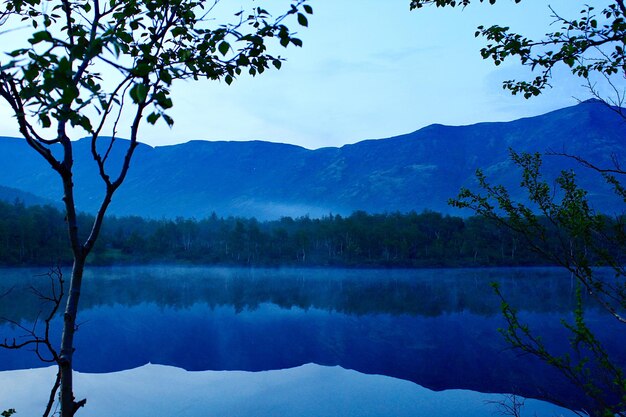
(89, 63)
(592, 45)
(564, 229)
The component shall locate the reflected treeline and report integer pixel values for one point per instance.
(437, 328)
(37, 236)
(354, 292)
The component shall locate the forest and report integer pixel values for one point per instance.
(36, 235)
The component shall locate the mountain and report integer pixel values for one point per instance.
(416, 171)
(12, 195)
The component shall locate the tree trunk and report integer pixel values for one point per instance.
(68, 405)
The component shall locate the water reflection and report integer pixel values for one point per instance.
(434, 327)
(415, 292)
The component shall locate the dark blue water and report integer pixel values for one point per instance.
(437, 328)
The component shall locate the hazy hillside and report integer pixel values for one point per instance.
(417, 171)
(13, 195)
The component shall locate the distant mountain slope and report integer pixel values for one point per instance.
(12, 195)
(417, 171)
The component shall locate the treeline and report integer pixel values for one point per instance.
(36, 235)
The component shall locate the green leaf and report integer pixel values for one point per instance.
(302, 20)
(165, 76)
(168, 120)
(85, 123)
(153, 117)
(45, 120)
(308, 9)
(139, 93)
(223, 48)
(41, 36)
(165, 103)
(17, 52)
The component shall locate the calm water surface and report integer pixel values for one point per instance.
(437, 328)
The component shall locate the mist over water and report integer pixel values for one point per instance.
(437, 328)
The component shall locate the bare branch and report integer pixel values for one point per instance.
(586, 163)
(509, 405)
(31, 336)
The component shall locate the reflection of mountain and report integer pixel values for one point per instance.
(434, 327)
(417, 171)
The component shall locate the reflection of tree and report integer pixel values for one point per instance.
(36, 338)
(359, 292)
(429, 326)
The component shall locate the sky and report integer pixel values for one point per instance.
(369, 69)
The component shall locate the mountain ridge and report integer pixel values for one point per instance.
(415, 171)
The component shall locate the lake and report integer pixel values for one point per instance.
(437, 328)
